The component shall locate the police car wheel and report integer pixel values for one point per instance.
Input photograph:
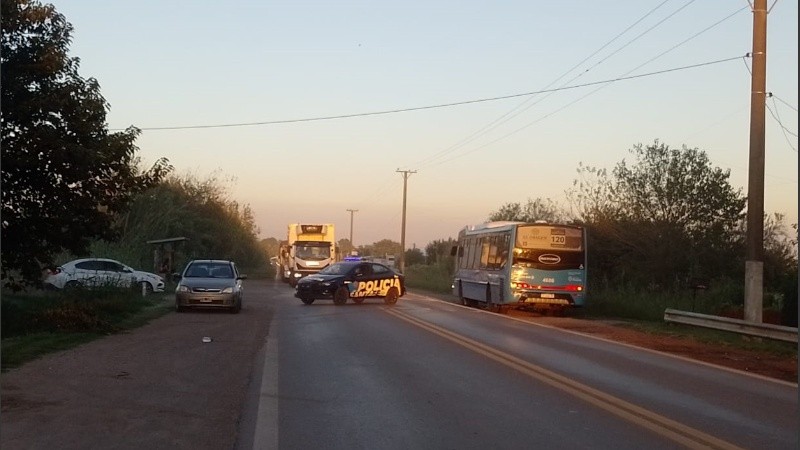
(391, 297)
(358, 300)
(307, 301)
(340, 297)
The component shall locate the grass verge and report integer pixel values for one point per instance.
(38, 323)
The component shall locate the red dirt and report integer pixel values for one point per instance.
(761, 363)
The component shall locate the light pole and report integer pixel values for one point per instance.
(351, 228)
(406, 174)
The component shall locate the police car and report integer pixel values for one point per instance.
(353, 280)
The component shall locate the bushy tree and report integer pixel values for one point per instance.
(381, 248)
(270, 246)
(680, 187)
(439, 250)
(65, 178)
(413, 257)
(533, 210)
(198, 209)
(345, 247)
(664, 217)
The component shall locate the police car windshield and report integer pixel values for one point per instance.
(340, 268)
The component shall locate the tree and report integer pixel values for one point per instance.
(270, 246)
(439, 250)
(666, 216)
(414, 256)
(533, 210)
(380, 249)
(65, 178)
(200, 210)
(345, 247)
(678, 187)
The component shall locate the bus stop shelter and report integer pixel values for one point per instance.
(164, 254)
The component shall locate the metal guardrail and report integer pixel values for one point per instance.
(765, 330)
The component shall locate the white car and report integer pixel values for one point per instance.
(97, 272)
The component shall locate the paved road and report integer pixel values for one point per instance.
(422, 374)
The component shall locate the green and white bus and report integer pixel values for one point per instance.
(502, 265)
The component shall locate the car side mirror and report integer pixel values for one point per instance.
(176, 277)
(242, 277)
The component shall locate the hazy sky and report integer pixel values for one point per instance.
(192, 63)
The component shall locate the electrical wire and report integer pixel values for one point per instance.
(604, 85)
(783, 128)
(441, 105)
(774, 114)
(516, 110)
(790, 106)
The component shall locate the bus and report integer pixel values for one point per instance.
(520, 265)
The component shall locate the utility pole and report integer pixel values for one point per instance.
(754, 264)
(406, 174)
(351, 227)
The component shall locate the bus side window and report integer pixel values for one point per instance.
(485, 245)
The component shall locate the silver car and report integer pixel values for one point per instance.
(210, 283)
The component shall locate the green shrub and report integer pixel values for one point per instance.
(435, 277)
(77, 310)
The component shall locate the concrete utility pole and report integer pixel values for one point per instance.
(406, 174)
(351, 227)
(754, 264)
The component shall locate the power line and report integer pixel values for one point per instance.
(783, 128)
(441, 105)
(775, 115)
(599, 88)
(778, 98)
(540, 119)
(516, 111)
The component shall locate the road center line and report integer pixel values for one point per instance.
(675, 431)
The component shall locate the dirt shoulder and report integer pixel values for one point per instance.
(767, 364)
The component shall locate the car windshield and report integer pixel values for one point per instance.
(209, 270)
(337, 269)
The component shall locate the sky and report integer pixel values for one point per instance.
(281, 65)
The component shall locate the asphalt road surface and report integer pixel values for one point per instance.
(422, 374)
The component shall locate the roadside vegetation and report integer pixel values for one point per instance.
(41, 322)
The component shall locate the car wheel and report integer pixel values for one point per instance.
(391, 297)
(341, 295)
(73, 285)
(358, 300)
(237, 307)
(307, 301)
(179, 308)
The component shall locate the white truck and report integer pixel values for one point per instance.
(308, 249)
